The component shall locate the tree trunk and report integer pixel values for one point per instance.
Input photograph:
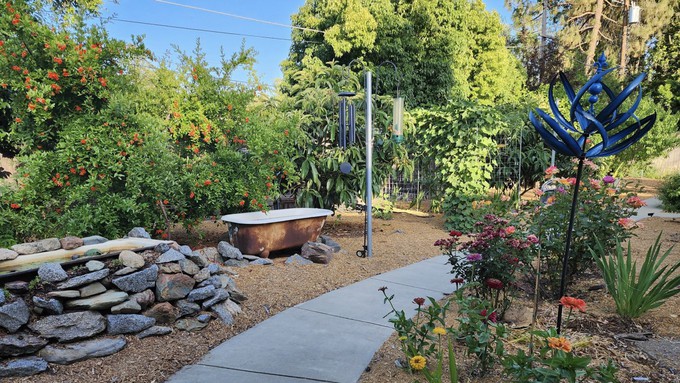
(594, 36)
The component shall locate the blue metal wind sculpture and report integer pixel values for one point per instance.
(571, 136)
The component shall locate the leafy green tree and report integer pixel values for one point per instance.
(315, 95)
(442, 48)
(665, 64)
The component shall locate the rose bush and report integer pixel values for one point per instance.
(603, 212)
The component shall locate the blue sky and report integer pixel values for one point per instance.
(270, 52)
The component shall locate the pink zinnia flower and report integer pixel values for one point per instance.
(510, 230)
(608, 179)
(474, 257)
(419, 301)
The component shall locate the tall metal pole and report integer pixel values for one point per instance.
(624, 39)
(369, 165)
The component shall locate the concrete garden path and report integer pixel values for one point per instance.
(653, 209)
(331, 338)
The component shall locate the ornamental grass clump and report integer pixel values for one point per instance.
(637, 291)
(497, 253)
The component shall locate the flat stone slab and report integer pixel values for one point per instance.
(363, 302)
(431, 274)
(199, 373)
(665, 351)
(313, 346)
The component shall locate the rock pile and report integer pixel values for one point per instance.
(147, 294)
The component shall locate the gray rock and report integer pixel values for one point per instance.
(7, 254)
(52, 306)
(232, 307)
(52, 272)
(99, 302)
(170, 256)
(64, 294)
(170, 268)
(186, 308)
(163, 313)
(145, 298)
(237, 263)
(298, 260)
(138, 232)
(90, 253)
(154, 331)
(139, 281)
(3, 298)
(173, 286)
(91, 289)
(262, 261)
(72, 326)
(250, 257)
(227, 251)
(213, 268)
(201, 293)
(326, 240)
(41, 246)
(317, 252)
(23, 367)
(20, 344)
(190, 324)
(237, 295)
(17, 287)
(188, 267)
(94, 240)
(161, 248)
(130, 306)
(83, 279)
(74, 352)
(202, 275)
(220, 295)
(223, 313)
(186, 250)
(219, 281)
(200, 257)
(127, 323)
(71, 242)
(14, 315)
(95, 265)
(124, 271)
(204, 318)
(131, 259)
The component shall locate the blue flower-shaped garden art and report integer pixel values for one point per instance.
(571, 136)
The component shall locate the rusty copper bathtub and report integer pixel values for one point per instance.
(259, 233)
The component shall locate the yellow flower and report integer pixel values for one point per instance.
(560, 343)
(417, 362)
(439, 331)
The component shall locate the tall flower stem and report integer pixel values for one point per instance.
(570, 229)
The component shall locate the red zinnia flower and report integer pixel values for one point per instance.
(383, 289)
(192, 195)
(207, 183)
(242, 202)
(52, 75)
(455, 233)
(494, 283)
(457, 280)
(15, 206)
(573, 303)
(419, 301)
(58, 60)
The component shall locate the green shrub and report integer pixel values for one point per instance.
(669, 193)
(637, 291)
